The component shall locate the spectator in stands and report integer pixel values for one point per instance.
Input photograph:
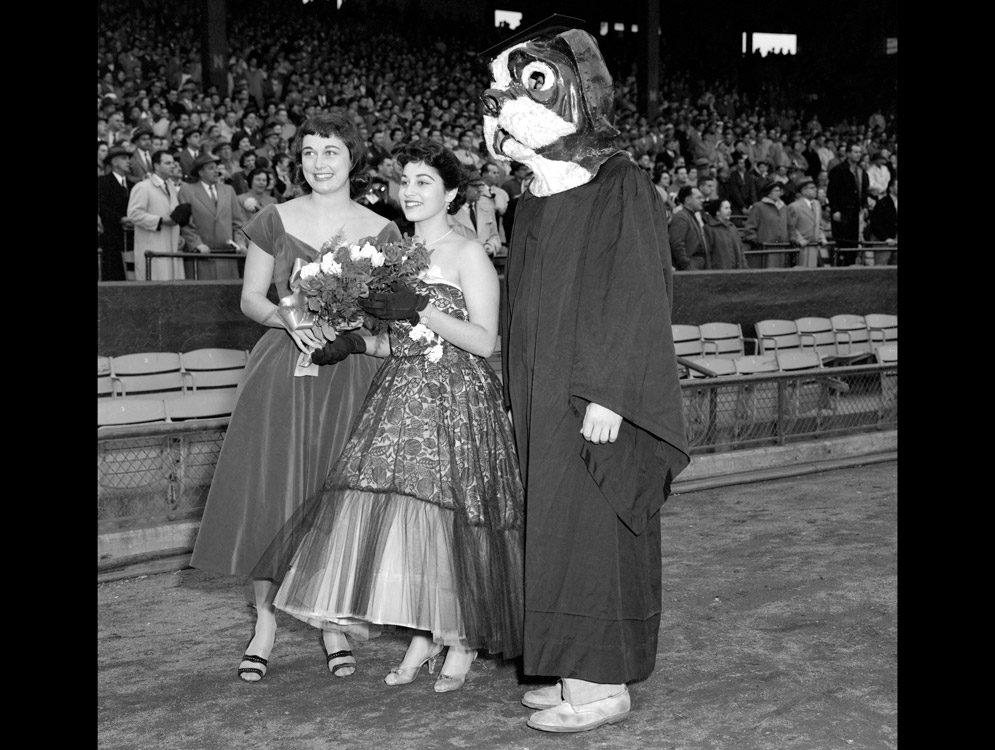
(847, 195)
(804, 217)
(283, 185)
(766, 224)
(724, 245)
(661, 180)
(878, 173)
(708, 187)
(477, 215)
(102, 151)
(113, 190)
(226, 159)
(269, 148)
(150, 209)
(259, 482)
(466, 153)
(191, 150)
(812, 159)
(760, 174)
(492, 191)
(258, 195)
(287, 127)
(681, 179)
(688, 244)
(239, 178)
(385, 169)
(516, 183)
(742, 188)
(216, 219)
(883, 225)
(141, 160)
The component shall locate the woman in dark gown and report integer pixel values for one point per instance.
(289, 423)
(420, 522)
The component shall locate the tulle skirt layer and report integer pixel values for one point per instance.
(420, 522)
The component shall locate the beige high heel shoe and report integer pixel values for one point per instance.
(447, 683)
(404, 675)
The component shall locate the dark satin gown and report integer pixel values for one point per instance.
(286, 431)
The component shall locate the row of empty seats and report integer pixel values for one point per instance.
(837, 340)
(150, 387)
(169, 373)
(134, 410)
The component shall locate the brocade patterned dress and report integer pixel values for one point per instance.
(420, 522)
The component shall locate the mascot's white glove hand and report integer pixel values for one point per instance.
(600, 424)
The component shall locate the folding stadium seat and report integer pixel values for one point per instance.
(213, 367)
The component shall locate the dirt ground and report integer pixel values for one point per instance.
(779, 632)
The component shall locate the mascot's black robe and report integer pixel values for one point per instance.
(589, 298)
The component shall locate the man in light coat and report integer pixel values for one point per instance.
(804, 217)
(149, 207)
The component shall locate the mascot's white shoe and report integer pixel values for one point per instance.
(547, 697)
(567, 717)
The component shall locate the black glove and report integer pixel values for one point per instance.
(402, 303)
(181, 214)
(335, 351)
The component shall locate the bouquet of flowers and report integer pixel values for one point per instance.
(327, 290)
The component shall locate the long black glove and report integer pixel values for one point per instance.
(401, 303)
(335, 351)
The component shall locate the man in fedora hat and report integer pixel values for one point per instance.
(141, 160)
(804, 217)
(113, 190)
(597, 412)
(216, 220)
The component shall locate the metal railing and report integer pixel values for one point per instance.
(158, 473)
(865, 251)
(198, 258)
(738, 412)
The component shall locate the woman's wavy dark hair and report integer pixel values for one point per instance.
(443, 161)
(325, 126)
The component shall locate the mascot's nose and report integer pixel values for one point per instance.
(492, 100)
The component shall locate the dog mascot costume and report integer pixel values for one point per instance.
(590, 377)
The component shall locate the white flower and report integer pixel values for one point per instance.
(309, 270)
(377, 259)
(366, 251)
(435, 353)
(420, 332)
(251, 204)
(329, 265)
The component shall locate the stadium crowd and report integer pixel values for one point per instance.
(710, 142)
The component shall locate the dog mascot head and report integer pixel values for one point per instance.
(551, 106)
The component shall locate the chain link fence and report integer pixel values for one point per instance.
(159, 473)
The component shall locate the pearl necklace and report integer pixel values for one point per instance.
(427, 244)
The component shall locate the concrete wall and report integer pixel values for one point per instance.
(181, 316)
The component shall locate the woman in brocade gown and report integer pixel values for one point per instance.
(289, 425)
(420, 522)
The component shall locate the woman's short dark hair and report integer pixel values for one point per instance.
(442, 160)
(712, 207)
(658, 169)
(252, 175)
(326, 126)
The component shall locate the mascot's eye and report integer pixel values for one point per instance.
(538, 76)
